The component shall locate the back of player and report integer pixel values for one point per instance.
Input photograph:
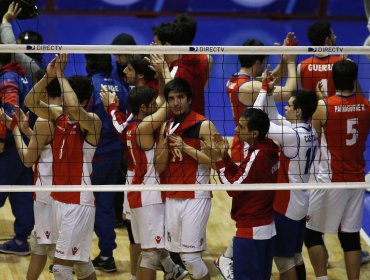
(343, 140)
(318, 69)
(238, 148)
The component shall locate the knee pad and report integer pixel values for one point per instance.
(284, 264)
(150, 259)
(83, 269)
(62, 272)
(313, 238)
(298, 259)
(194, 265)
(350, 241)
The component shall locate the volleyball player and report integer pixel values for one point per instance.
(299, 144)
(251, 210)
(342, 121)
(76, 135)
(39, 152)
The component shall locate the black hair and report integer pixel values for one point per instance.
(178, 85)
(30, 37)
(82, 86)
(123, 39)
(248, 60)
(345, 74)
(305, 100)
(188, 26)
(318, 32)
(139, 96)
(98, 62)
(170, 32)
(141, 66)
(53, 88)
(257, 120)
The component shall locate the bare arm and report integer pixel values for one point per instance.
(42, 134)
(319, 117)
(162, 152)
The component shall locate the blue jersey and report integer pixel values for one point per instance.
(109, 142)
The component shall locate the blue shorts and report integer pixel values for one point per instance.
(289, 236)
(252, 259)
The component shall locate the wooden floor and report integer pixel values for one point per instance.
(219, 232)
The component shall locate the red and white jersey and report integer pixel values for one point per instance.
(315, 69)
(194, 69)
(295, 165)
(183, 169)
(343, 139)
(72, 161)
(239, 148)
(144, 170)
(43, 174)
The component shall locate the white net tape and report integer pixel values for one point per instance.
(216, 50)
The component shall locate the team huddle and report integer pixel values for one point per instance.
(81, 129)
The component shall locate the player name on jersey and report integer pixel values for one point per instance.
(350, 108)
(320, 67)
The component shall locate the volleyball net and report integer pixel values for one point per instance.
(218, 104)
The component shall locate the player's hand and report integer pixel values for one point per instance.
(217, 149)
(4, 118)
(320, 93)
(13, 12)
(107, 97)
(268, 81)
(60, 64)
(158, 64)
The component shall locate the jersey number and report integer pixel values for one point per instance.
(351, 123)
(310, 156)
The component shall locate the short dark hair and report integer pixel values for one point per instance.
(344, 74)
(248, 60)
(305, 100)
(53, 87)
(169, 32)
(82, 86)
(98, 62)
(124, 39)
(141, 66)
(178, 85)
(257, 120)
(139, 96)
(318, 32)
(188, 26)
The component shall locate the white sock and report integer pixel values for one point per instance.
(229, 250)
(168, 264)
(322, 278)
(133, 277)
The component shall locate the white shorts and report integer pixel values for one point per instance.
(186, 224)
(331, 211)
(44, 222)
(147, 224)
(75, 226)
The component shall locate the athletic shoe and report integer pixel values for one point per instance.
(13, 247)
(51, 268)
(225, 266)
(108, 265)
(178, 273)
(365, 257)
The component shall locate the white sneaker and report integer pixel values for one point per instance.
(178, 273)
(225, 266)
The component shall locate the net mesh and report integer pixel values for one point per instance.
(217, 105)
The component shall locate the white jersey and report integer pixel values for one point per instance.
(44, 174)
(299, 144)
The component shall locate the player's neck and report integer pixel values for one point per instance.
(345, 92)
(246, 71)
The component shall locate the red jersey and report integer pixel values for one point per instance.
(315, 69)
(43, 174)
(252, 208)
(194, 69)
(343, 139)
(238, 148)
(72, 161)
(182, 168)
(144, 171)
